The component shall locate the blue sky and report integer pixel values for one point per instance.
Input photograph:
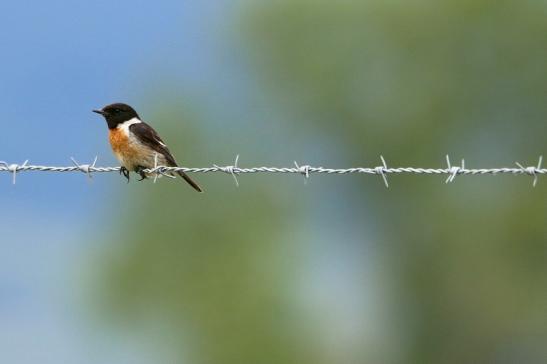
(60, 59)
(75, 57)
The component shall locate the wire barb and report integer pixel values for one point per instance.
(532, 171)
(156, 167)
(233, 170)
(14, 168)
(159, 170)
(453, 170)
(86, 168)
(382, 170)
(303, 170)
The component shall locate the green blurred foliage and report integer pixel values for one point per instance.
(465, 264)
(209, 268)
(415, 80)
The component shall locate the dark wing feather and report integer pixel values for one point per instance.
(148, 136)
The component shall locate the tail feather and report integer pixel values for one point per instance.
(190, 181)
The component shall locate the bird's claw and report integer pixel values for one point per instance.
(140, 171)
(125, 173)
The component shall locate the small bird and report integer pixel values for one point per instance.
(136, 144)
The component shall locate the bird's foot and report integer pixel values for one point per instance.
(125, 172)
(140, 171)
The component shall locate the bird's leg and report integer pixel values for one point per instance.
(125, 172)
(140, 171)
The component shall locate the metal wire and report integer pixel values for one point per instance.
(306, 170)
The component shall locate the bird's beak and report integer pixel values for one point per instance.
(99, 112)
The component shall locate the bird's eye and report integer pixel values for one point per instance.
(117, 111)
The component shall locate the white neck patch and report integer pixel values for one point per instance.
(126, 124)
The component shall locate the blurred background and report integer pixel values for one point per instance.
(338, 270)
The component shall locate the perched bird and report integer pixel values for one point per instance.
(136, 144)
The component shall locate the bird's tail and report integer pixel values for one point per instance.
(190, 181)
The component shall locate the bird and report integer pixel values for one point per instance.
(136, 144)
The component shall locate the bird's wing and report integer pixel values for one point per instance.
(148, 136)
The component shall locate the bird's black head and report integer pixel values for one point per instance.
(116, 114)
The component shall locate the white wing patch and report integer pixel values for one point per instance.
(161, 143)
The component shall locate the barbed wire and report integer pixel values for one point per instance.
(452, 171)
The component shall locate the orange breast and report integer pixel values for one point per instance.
(127, 153)
(118, 140)
(130, 153)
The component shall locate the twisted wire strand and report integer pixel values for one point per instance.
(305, 170)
